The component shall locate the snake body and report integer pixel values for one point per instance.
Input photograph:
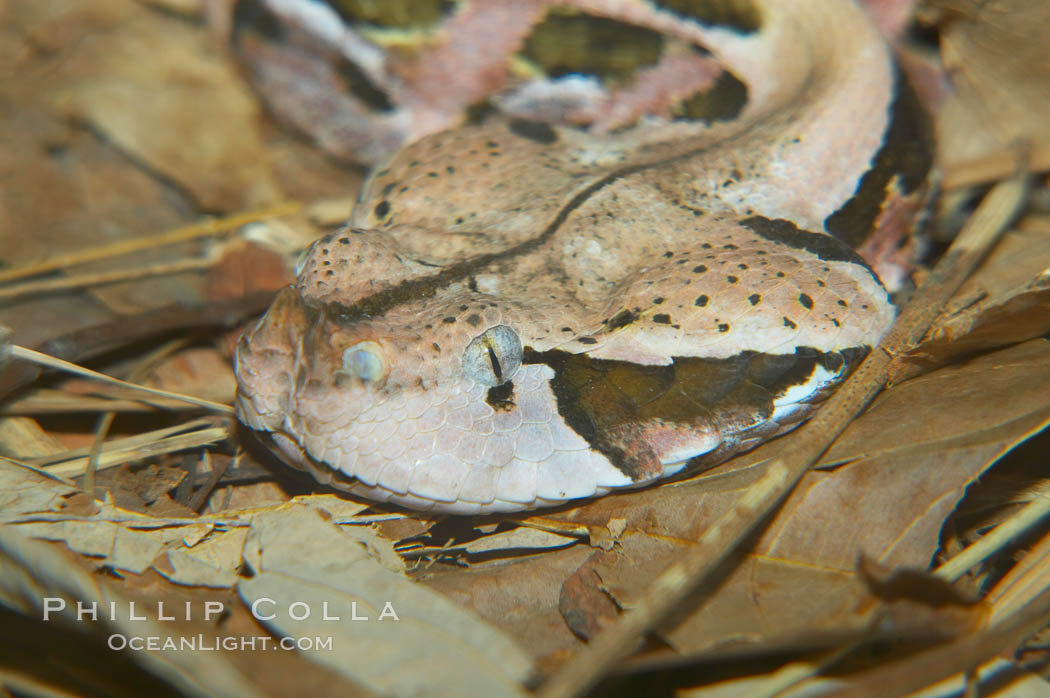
(519, 314)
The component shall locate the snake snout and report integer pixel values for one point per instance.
(264, 359)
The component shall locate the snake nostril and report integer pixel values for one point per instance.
(494, 356)
(365, 360)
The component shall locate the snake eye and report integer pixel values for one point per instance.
(365, 360)
(494, 356)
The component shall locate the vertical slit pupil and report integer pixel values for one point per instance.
(497, 370)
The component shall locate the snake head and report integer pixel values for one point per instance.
(458, 396)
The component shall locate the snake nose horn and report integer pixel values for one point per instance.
(285, 321)
(264, 361)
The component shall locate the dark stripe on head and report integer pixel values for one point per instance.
(907, 151)
(787, 233)
(416, 289)
(420, 288)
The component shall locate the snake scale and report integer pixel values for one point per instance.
(519, 314)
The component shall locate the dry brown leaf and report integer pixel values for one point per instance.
(198, 371)
(154, 125)
(963, 404)
(518, 539)
(31, 573)
(937, 435)
(134, 81)
(66, 188)
(998, 60)
(303, 559)
(22, 438)
(123, 539)
(198, 551)
(519, 596)
(1006, 301)
(212, 563)
(52, 178)
(25, 490)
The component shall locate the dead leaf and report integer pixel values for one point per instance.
(998, 59)
(159, 118)
(34, 577)
(519, 596)
(22, 437)
(518, 539)
(212, 563)
(388, 622)
(24, 490)
(1005, 302)
(132, 82)
(198, 371)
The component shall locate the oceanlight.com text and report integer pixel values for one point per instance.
(203, 643)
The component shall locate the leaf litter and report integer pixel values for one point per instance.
(510, 598)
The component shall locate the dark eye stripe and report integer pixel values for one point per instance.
(744, 385)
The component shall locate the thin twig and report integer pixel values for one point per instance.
(914, 672)
(110, 457)
(38, 470)
(52, 362)
(200, 497)
(68, 283)
(1002, 535)
(189, 232)
(668, 591)
(793, 674)
(49, 401)
(105, 422)
(94, 340)
(1028, 577)
(126, 443)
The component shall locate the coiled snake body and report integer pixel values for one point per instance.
(520, 314)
